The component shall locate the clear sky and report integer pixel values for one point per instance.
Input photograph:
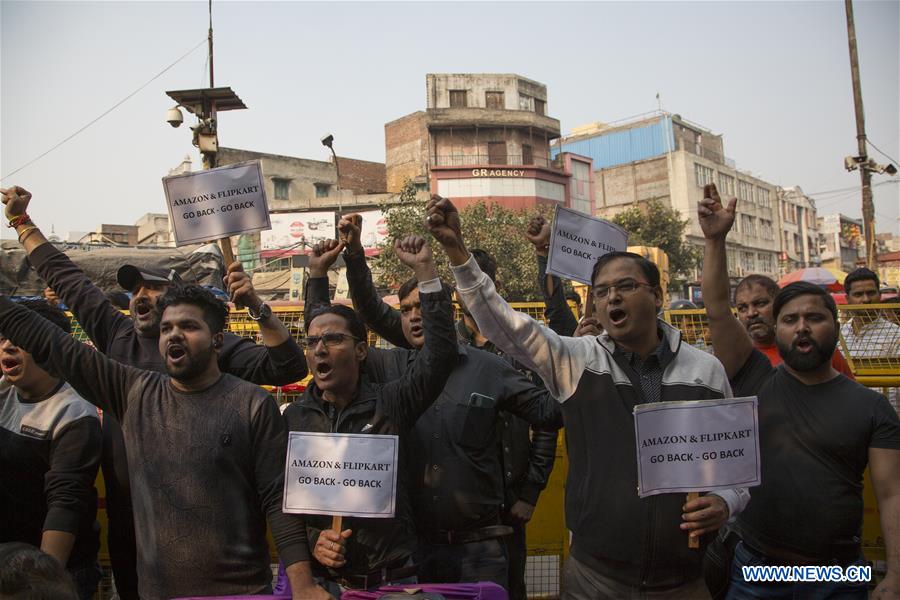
(772, 77)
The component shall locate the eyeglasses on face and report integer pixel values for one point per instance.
(624, 287)
(329, 339)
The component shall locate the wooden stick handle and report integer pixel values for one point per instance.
(227, 254)
(693, 542)
(337, 523)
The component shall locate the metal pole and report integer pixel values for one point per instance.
(868, 206)
(337, 185)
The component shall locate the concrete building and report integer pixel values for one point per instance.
(154, 230)
(303, 184)
(661, 156)
(841, 242)
(799, 230)
(485, 138)
(118, 235)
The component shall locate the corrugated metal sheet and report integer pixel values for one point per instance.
(624, 146)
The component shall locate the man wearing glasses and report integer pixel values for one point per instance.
(621, 544)
(372, 552)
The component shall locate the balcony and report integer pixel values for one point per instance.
(445, 118)
(482, 160)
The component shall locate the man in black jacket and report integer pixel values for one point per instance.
(372, 552)
(458, 476)
(133, 340)
(206, 452)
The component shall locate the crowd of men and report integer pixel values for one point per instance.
(193, 449)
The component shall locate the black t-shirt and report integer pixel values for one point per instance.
(814, 449)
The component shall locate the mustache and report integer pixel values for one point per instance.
(755, 321)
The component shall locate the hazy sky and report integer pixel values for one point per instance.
(772, 77)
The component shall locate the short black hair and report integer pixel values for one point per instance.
(650, 270)
(412, 283)
(215, 313)
(48, 311)
(574, 297)
(767, 283)
(354, 322)
(26, 573)
(486, 262)
(860, 274)
(803, 288)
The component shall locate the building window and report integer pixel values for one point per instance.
(766, 262)
(748, 225)
(703, 174)
(766, 229)
(282, 189)
(745, 191)
(763, 196)
(527, 157)
(748, 262)
(726, 185)
(540, 107)
(496, 153)
(494, 100)
(458, 99)
(322, 190)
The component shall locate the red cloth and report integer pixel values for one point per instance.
(837, 359)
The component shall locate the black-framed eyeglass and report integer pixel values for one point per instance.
(329, 339)
(625, 287)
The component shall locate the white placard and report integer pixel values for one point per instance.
(345, 474)
(697, 446)
(577, 241)
(212, 204)
(294, 232)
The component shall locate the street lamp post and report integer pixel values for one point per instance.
(328, 141)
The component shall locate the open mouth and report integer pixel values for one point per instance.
(804, 345)
(417, 330)
(617, 317)
(175, 353)
(143, 309)
(323, 370)
(10, 366)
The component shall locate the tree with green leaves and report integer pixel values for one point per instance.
(492, 228)
(655, 224)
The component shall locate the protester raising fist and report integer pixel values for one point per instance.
(322, 256)
(443, 222)
(538, 233)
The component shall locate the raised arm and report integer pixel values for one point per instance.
(321, 258)
(558, 360)
(279, 360)
(730, 340)
(99, 380)
(409, 396)
(559, 315)
(377, 314)
(95, 313)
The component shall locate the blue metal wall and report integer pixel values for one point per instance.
(624, 146)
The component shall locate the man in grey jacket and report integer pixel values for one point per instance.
(621, 544)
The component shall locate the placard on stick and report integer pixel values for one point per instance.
(699, 445)
(217, 203)
(578, 240)
(344, 474)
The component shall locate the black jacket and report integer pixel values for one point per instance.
(390, 408)
(460, 480)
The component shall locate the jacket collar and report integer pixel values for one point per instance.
(671, 335)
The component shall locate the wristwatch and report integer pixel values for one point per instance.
(264, 311)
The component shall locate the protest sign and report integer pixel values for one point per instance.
(217, 203)
(343, 474)
(699, 445)
(293, 233)
(577, 241)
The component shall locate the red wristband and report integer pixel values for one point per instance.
(16, 221)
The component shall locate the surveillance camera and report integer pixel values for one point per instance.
(174, 117)
(850, 163)
(328, 140)
(890, 169)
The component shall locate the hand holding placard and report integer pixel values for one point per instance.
(331, 547)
